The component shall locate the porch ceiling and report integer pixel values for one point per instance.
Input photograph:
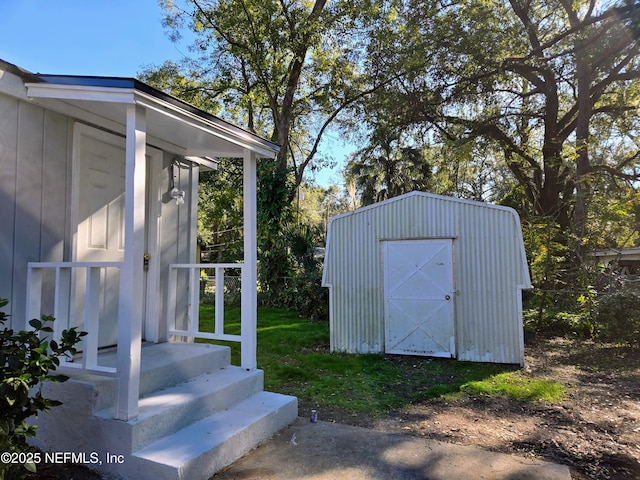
(171, 124)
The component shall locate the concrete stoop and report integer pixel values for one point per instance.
(197, 414)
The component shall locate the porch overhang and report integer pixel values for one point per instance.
(172, 125)
(146, 117)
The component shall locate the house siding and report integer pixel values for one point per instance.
(8, 167)
(177, 244)
(36, 156)
(489, 271)
(34, 161)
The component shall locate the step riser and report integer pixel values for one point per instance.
(171, 370)
(231, 450)
(146, 431)
(182, 370)
(223, 451)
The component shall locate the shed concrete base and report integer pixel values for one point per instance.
(197, 414)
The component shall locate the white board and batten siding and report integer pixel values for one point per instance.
(35, 146)
(36, 190)
(488, 272)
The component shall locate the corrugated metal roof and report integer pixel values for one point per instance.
(490, 270)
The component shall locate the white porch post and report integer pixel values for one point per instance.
(249, 294)
(131, 274)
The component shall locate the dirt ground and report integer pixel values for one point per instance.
(595, 431)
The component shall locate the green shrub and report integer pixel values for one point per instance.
(311, 299)
(560, 323)
(617, 316)
(302, 293)
(26, 358)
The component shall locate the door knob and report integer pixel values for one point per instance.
(447, 297)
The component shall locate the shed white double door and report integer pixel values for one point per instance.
(418, 297)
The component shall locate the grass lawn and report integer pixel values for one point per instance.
(294, 354)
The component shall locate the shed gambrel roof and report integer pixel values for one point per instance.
(403, 222)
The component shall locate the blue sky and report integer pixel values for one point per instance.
(84, 37)
(115, 38)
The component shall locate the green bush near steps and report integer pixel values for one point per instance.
(26, 360)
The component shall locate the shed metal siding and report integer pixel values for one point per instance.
(489, 271)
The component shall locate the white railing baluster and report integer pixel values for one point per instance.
(34, 294)
(63, 306)
(91, 317)
(62, 299)
(219, 301)
(194, 301)
(172, 283)
(193, 329)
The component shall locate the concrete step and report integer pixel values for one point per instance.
(166, 364)
(162, 365)
(197, 414)
(205, 447)
(166, 411)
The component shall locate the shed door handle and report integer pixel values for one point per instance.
(447, 297)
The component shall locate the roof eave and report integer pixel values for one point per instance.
(131, 91)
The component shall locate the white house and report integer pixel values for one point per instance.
(99, 191)
(423, 274)
(624, 261)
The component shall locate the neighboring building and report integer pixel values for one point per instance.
(98, 227)
(424, 274)
(624, 261)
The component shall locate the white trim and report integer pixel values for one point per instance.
(74, 264)
(82, 115)
(12, 85)
(194, 173)
(215, 127)
(81, 92)
(520, 321)
(130, 305)
(205, 162)
(151, 325)
(207, 265)
(249, 299)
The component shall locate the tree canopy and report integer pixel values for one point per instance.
(283, 69)
(553, 86)
(531, 103)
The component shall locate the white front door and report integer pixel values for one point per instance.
(100, 186)
(418, 297)
(100, 214)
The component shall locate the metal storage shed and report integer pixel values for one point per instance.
(424, 274)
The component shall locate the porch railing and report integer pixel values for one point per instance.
(192, 318)
(50, 289)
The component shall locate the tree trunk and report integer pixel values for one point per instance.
(583, 189)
